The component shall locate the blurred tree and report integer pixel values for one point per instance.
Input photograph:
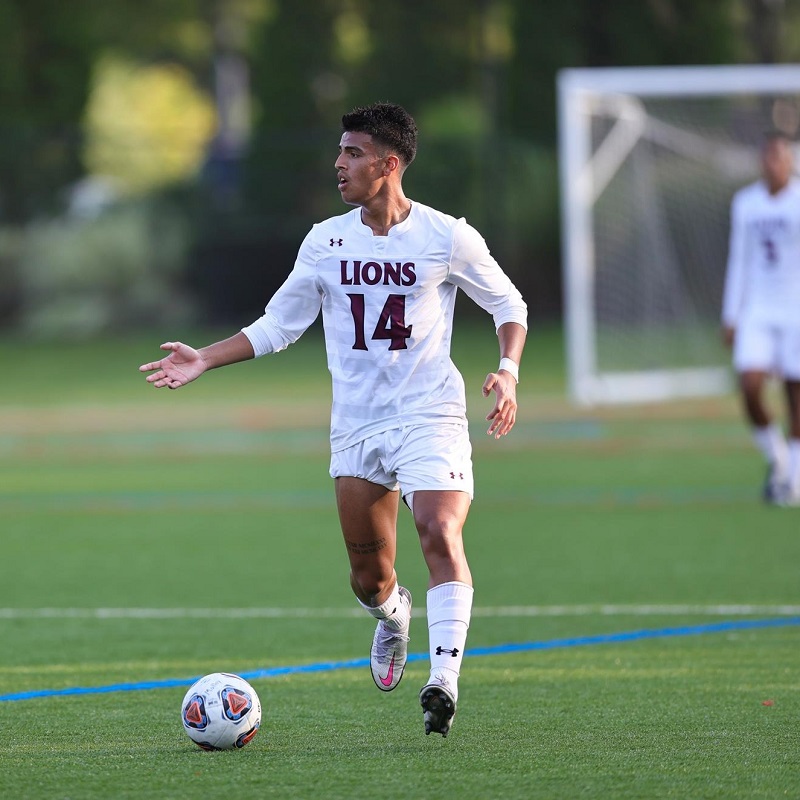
(479, 75)
(318, 58)
(146, 127)
(45, 65)
(47, 52)
(295, 83)
(553, 34)
(767, 26)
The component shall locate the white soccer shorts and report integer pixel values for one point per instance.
(434, 457)
(767, 348)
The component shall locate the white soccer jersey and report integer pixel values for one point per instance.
(387, 308)
(763, 276)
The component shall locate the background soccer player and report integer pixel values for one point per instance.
(385, 276)
(761, 309)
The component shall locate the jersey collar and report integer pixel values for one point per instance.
(395, 230)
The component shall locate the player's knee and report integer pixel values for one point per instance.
(440, 534)
(371, 583)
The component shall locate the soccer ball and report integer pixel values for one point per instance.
(221, 711)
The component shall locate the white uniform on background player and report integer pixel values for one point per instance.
(761, 310)
(385, 276)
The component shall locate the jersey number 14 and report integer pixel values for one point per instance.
(391, 322)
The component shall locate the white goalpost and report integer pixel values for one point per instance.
(649, 161)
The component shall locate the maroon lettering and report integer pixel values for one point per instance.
(409, 273)
(391, 322)
(357, 310)
(371, 273)
(391, 273)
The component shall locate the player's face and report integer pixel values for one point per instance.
(360, 168)
(777, 163)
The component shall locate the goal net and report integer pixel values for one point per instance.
(650, 159)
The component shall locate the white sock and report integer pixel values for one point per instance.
(794, 464)
(772, 444)
(392, 611)
(449, 612)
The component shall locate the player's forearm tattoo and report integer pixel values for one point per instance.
(364, 548)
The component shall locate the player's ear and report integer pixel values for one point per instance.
(391, 164)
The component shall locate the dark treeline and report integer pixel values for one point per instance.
(479, 76)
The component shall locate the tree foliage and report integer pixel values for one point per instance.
(311, 59)
(479, 76)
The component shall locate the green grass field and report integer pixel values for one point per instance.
(153, 536)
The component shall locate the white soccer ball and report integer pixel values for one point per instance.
(221, 711)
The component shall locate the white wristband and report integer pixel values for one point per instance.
(510, 366)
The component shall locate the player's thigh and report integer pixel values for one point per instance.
(367, 512)
(755, 348)
(789, 355)
(792, 388)
(440, 514)
(366, 494)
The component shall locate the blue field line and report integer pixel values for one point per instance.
(359, 663)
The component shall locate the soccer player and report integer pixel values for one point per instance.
(761, 310)
(385, 276)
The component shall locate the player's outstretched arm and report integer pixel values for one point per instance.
(185, 364)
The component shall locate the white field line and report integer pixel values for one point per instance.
(742, 610)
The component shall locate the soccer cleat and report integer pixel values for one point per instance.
(387, 658)
(774, 490)
(789, 497)
(438, 706)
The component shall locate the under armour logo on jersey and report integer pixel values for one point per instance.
(460, 476)
(453, 652)
(336, 241)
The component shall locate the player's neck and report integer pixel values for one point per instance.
(381, 213)
(776, 187)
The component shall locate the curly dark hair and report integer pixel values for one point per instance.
(390, 126)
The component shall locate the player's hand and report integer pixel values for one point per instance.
(182, 366)
(728, 335)
(504, 414)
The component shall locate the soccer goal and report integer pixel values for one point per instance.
(649, 161)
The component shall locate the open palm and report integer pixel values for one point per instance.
(182, 366)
